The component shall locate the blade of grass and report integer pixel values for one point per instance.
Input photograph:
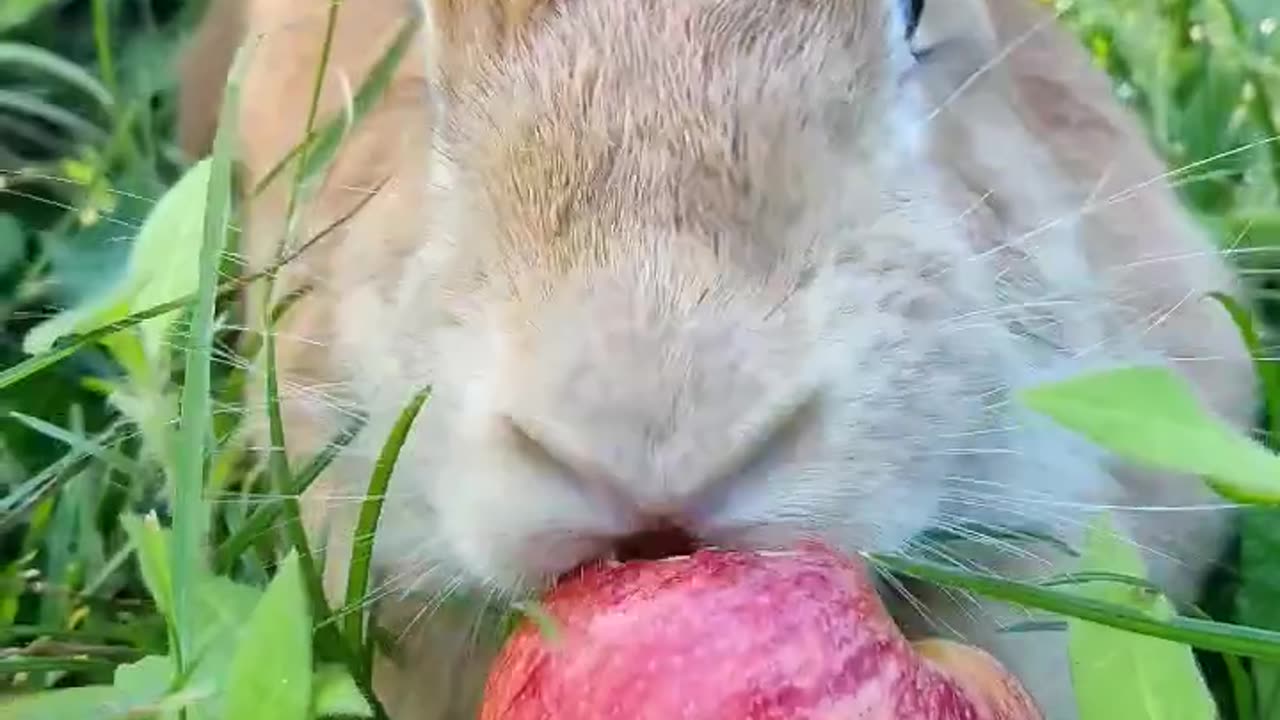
(301, 177)
(367, 525)
(102, 44)
(265, 516)
(25, 496)
(1208, 635)
(317, 148)
(77, 442)
(53, 65)
(73, 343)
(328, 637)
(1236, 672)
(1265, 368)
(47, 647)
(27, 104)
(57, 554)
(114, 563)
(253, 342)
(96, 636)
(32, 492)
(11, 665)
(193, 424)
(1241, 685)
(277, 455)
(282, 482)
(14, 129)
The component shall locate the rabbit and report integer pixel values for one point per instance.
(686, 273)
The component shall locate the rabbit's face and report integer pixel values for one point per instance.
(688, 282)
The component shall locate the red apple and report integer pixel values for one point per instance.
(738, 636)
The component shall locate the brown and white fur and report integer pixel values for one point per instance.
(745, 267)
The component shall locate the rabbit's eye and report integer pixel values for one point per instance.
(911, 12)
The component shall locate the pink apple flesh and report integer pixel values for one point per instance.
(727, 635)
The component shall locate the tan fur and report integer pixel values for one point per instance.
(203, 69)
(717, 260)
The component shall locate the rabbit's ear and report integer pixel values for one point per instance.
(463, 32)
(202, 69)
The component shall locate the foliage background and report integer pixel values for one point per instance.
(86, 114)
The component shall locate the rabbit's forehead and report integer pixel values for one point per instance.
(693, 126)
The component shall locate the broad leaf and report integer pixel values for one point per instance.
(1150, 415)
(270, 673)
(95, 702)
(163, 266)
(335, 693)
(150, 677)
(141, 690)
(1122, 674)
(221, 614)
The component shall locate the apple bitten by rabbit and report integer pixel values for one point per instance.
(716, 272)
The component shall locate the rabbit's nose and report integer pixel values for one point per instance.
(661, 540)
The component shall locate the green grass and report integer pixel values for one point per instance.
(148, 559)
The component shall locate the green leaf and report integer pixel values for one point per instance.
(152, 546)
(1258, 598)
(28, 368)
(220, 613)
(335, 693)
(222, 603)
(270, 674)
(163, 267)
(140, 690)
(150, 677)
(95, 702)
(165, 262)
(1149, 415)
(220, 608)
(12, 248)
(17, 12)
(1123, 674)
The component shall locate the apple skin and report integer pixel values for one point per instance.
(723, 635)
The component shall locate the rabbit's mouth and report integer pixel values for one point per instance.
(660, 542)
(656, 543)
